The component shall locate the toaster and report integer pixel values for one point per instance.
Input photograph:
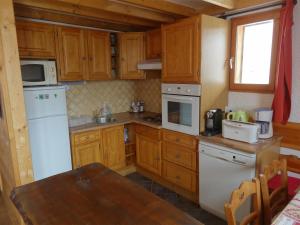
(245, 132)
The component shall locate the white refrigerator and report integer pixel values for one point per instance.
(48, 130)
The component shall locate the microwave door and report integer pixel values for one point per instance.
(33, 74)
(181, 113)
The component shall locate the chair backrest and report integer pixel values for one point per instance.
(238, 197)
(274, 200)
(293, 163)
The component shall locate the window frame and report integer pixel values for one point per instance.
(248, 19)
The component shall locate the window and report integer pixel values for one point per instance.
(253, 52)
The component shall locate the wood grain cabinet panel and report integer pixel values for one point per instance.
(113, 147)
(131, 52)
(35, 40)
(99, 55)
(181, 51)
(180, 155)
(86, 154)
(148, 154)
(86, 137)
(180, 176)
(149, 132)
(185, 140)
(72, 56)
(153, 44)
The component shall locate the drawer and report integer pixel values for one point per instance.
(180, 155)
(180, 139)
(148, 132)
(180, 176)
(86, 137)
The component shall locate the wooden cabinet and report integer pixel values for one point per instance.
(72, 56)
(105, 146)
(113, 147)
(35, 40)
(153, 44)
(84, 54)
(99, 55)
(148, 154)
(131, 52)
(181, 51)
(86, 148)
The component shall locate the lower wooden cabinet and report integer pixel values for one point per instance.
(180, 176)
(148, 154)
(86, 154)
(113, 147)
(105, 146)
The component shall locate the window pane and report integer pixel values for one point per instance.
(254, 51)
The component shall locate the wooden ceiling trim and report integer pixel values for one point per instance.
(90, 13)
(227, 4)
(163, 6)
(45, 15)
(240, 4)
(128, 10)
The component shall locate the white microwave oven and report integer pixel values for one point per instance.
(38, 72)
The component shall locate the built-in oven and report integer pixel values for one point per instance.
(181, 107)
(38, 72)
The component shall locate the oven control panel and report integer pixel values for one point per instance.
(181, 89)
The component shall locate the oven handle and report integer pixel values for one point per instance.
(179, 97)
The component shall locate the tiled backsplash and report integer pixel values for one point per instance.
(149, 91)
(84, 98)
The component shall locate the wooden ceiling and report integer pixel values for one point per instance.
(123, 15)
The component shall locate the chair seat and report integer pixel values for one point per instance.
(293, 185)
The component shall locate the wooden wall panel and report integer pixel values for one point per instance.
(15, 159)
(290, 133)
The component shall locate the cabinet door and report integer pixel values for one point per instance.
(113, 147)
(148, 154)
(131, 47)
(72, 58)
(153, 44)
(86, 154)
(35, 40)
(99, 56)
(181, 51)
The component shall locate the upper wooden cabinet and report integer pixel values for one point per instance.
(99, 55)
(72, 57)
(194, 48)
(181, 51)
(35, 40)
(153, 44)
(131, 52)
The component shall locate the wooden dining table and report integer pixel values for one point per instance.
(94, 195)
(291, 213)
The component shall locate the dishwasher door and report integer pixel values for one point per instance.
(222, 170)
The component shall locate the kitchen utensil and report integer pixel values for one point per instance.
(240, 116)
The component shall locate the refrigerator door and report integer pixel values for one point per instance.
(45, 102)
(50, 146)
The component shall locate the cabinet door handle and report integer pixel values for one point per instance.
(177, 156)
(177, 139)
(178, 177)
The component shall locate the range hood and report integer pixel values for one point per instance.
(150, 64)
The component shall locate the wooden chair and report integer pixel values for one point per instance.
(274, 200)
(238, 197)
(293, 163)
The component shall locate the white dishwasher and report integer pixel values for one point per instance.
(222, 170)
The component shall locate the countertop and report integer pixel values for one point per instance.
(261, 145)
(121, 119)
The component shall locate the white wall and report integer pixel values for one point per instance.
(250, 101)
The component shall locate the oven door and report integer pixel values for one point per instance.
(36, 73)
(181, 113)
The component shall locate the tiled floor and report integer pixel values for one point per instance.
(180, 202)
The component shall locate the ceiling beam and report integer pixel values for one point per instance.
(227, 4)
(46, 15)
(61, 7)
(163, 6)
(123, 9)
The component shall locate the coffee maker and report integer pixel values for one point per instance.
(213, 122)
(263, 117)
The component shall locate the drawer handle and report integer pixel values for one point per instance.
(177, 156)
(157, 158)
(178, 177)
(177, 139)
